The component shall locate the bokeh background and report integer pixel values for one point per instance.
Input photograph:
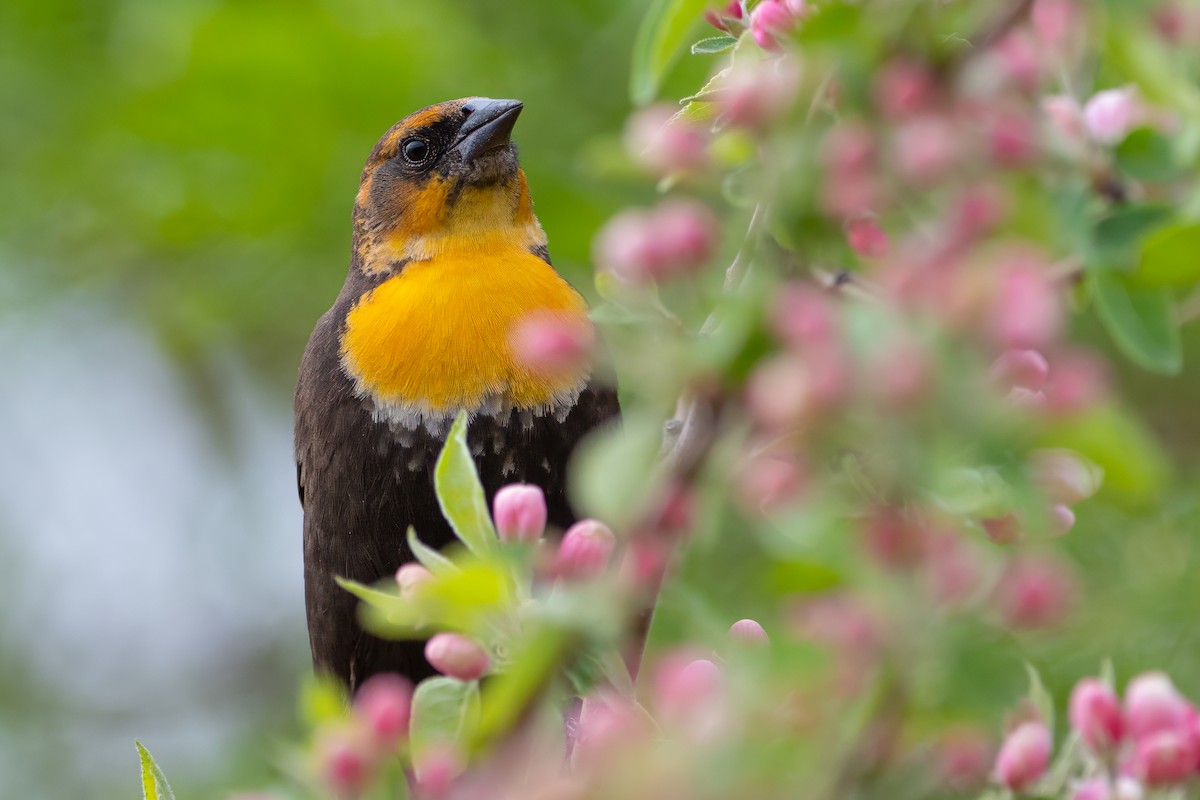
(176, 183)
(176, 180)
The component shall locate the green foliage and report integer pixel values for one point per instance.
(154, 783)
(663, 32)
(1140, 320)
(459, 494)
(445, 712)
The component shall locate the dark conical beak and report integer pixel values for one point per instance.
(488, 126)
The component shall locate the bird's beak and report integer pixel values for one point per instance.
(488, 126)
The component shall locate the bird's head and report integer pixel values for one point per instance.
(443, 178)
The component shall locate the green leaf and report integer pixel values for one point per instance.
(154, 783)
(612, 470)
(460, 495)
(444, 711)
(1146, 155)
(431, 559)
(1136, 471)
(322, 698)
(661, 36)
(1116, 239)
(1040, 697)
(1141, 322)
(1170, 257)
(510, 694)
(713, 44)
(384, 613)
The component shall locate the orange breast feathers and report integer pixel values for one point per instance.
(434, 339)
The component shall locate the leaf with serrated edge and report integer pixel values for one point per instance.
(154, 783)
(460, 495)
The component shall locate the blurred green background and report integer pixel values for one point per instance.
(176, 182)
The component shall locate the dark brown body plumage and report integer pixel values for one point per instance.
(362, 484)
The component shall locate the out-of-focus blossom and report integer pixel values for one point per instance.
(765, 482)
(1002, 530)
(1034, 592)
(1110, 115)
(962, 756)
(666, 143)
(552, 344)
(748, 631)
(904, 88)
(786, 390)
(585, 550)
(1022, 59)
(866, 238)
(729, 11)
(1153, 705)
(1062, 520)
(1065, 118)
(1164, 758)
(1092, 789)
(804, 315)
(1028, 310)
(344, 760)
(1128, 788)
(927, 148)
(1024, 369)
(1094, 712)
(1054, 21)
(1011, 139)
(1024, 756)
(691, 697)
(1065, 476)
(770, 21)
(608, 724)
(894, 538)
(457, 656)
(410, 577)
(436, 769)
(671, 240)
(519, 511)
(384, 704)
(1078, 380)
(953, 571)
(903, 373)
(755, 93)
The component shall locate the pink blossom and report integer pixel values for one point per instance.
(384, 703)
(769, 21)
(519, 510)
(1024, 756)
(953, 571)
(344, 761)
(717, 18)
(1153, 704)
(1164, 758)
(691, 696)
(1110, 115)
(764, 483)
(1021, 58)
(1095, 714)
(1078, 381)
(1064, 476)
(547, 343)
(456, 656)
(755, 93)
(1002, 530)
(848, 147)
(903, 88)
(436, 768)
(927, 147)
(895, 539)
(1092, 789)
(1034, 593)
(1025, 369)
(1028, 312)
(664, 142)
(687, 234)
(1062, 520)
(962, 756)
(804, 315)
(608, 722)
(585, 550)
(866, 238)
(904, 373)
(747, 631)
(410, 577)
(1011, 140)
(1053, 21)
(1065, 117)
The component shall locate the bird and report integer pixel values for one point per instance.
(447, 258)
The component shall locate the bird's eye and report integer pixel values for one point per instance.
(415, 151)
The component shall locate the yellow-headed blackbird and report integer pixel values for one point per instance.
(447, 257)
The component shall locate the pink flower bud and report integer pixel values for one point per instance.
(903, 88)
(384, 703)
(552, 344)
(1053, 21)
(1021, 59)
(1065, 118)
(608, 723)
(848, 147)
(1023, 369)
(1027, 312)
(1034, 593)
(769, 21)
(344, 761)
(1092, 789)
(687, 235)
(585, 550)
(1110, 115)
(1024, 756)
(866, 238)
(804, 316)
(664, 143)
(1062, 520)
(953, 570)
(519, 510)
(1064, 476)
(410, 577)
(1002, 530)
(747, 631)
(980, 210)
(1011, 140)
(962, 758)
(927, 148)
(1078, 381)
(456, 656)
(1095, 714)
(436, 768)
(1163, 758)
(895, 539)
(797, 8)
(717, 18)
(754, 94)
(691, 697)
(1177, 23)
(1153, 704)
